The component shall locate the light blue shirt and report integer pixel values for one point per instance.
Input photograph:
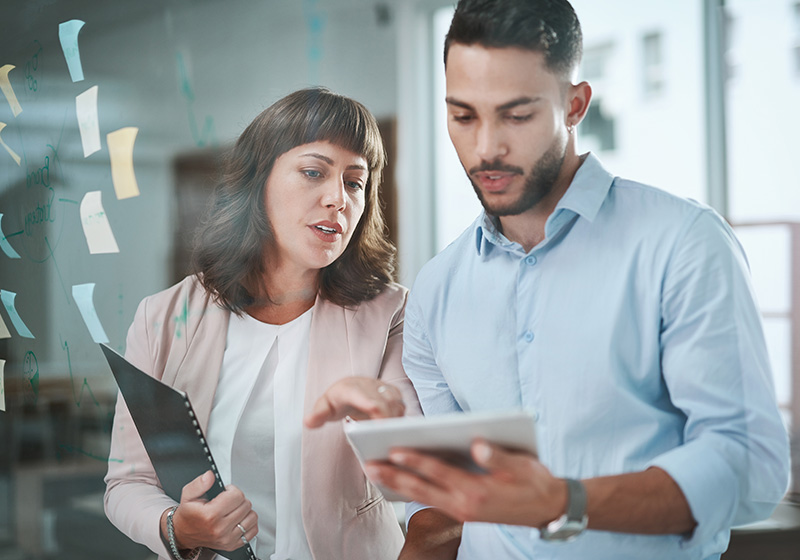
(633, 332)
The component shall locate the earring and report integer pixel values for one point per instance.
(571, 128)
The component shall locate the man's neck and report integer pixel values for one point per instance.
(527, 228)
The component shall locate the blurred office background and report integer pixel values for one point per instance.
(698, 97)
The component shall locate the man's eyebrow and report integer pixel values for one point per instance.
(329, 161)
(457, 103)
(504, 107)
(517, 102)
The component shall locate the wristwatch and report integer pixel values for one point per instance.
(572, 523)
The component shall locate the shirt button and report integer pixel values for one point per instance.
(528, 336)
(530, 260)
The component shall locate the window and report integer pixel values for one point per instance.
(796, 49)
(653, 64)
(597, 129)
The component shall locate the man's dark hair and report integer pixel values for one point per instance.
(547, 26)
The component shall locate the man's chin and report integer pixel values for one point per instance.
(500, 209)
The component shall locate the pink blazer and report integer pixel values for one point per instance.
(178, 336)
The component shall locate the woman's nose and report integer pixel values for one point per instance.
(334, 195)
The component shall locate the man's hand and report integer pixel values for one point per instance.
(516, 489)
(359, 398)
(214, 524)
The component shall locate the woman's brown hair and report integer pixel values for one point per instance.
(229, 247)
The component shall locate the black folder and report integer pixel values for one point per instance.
(170, 433)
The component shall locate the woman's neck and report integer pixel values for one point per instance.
(289, 297)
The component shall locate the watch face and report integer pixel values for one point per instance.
(568, 531)
(563, 529)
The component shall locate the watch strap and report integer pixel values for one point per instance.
(576, 500)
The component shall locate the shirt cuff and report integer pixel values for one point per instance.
(411, 509)
(709, 484)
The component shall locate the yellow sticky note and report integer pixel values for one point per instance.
(95, 224)
(4, 332)
(8, 91)
(2, 385)
(9, 150)
(120, 149)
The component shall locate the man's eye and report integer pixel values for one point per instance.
(520, 118)
(462, 118)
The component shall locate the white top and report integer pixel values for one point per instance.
(254, 437)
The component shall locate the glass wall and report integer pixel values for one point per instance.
(114, 116)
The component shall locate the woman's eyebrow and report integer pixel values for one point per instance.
(326, 159)
(329, 161)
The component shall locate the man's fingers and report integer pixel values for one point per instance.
(503, 464)
(197, 488)
(407, 483)
(429, 467)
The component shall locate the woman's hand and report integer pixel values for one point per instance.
(220, 523)
(360, 398)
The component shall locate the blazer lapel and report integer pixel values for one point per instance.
(195, 358)
(328, 361)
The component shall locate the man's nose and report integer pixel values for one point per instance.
(490, 143)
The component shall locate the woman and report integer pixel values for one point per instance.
(292, 314)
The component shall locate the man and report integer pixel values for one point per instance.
(621, 314)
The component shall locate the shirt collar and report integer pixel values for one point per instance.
(588, 189)
(584, 197)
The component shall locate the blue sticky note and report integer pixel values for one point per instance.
(84, 297)
(5, 245)
(68, 35)
(8, 302)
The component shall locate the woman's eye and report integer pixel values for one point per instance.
(355, 185)
(312, 173)
(520, 118)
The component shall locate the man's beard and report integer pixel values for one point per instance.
(538, 184)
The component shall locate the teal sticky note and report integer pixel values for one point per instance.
(5, 245)
(8, 302)
(84, 297)
(68, 35)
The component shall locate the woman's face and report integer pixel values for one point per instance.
(314, 198)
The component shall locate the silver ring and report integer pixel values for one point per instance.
(244, 540)
(242, 530)
(383, 388)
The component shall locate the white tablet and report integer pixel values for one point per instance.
(448, 436)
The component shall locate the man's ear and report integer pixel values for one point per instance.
(578, 98)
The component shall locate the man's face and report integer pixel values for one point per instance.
(506, 120)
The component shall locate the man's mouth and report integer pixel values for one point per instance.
(494, 181)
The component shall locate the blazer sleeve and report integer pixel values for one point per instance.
(392, 365)
(133, 500)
